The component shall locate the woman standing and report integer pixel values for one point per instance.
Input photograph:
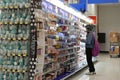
(89, 46)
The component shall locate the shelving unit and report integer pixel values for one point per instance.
(18, 36)
(36, 43)
(14, 41)
(114, 49)
(114, 44)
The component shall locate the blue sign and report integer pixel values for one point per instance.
(81, 6)
(102, 1)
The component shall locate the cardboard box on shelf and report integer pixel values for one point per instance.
(114, 50)
(114, 37)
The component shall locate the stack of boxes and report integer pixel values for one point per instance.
(114, 39)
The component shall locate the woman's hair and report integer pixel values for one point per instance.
(89, 27)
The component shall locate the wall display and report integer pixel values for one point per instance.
(18, 39)
(15, 29)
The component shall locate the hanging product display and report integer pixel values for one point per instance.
(18, 40)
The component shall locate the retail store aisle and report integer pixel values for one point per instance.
(107, 69)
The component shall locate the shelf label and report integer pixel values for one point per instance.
(66, 15)
(61, 12)
(44, 5)
(48, 7)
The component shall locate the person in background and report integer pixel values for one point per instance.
(89, 46)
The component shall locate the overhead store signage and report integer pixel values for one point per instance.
(94, 18)
(71, 1)
(82, 4)
(63, 13)
(60, 12)
(51, 8)
(102, 1)
(48, 7)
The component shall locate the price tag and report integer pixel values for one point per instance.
(13, 70)
(13, 54)
(25, 38)
(8, 54)
(16, 22)
(26, 22)
(19, 38)
(5, 22)
(8, 70)
(4, 38)
(25, 54)
(4, 70)
(19, 54)
(11, 7)
(24, 71)
(21, 22)
(8, 38)
(16, 6)
(14, 39)
(18, 70)
(6, 7)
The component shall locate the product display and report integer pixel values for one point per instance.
(114, 37)
(16, 40)
(64, 53)
(39, 41)
(114, 44)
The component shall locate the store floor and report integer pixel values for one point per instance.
(106, 68)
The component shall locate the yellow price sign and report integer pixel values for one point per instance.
(6, 7)
(18, 70)
(25, 38)
(19, 38)
(14, 39)
(4, 38)
(13, 54)
(16, 22)
(16, 6)
(24, 71)
(8, 54)
(19, 54)
(26, 22)
(8, 70)
(25, 54)
(8, 38)
(11, 7)
(5, 22)
(13, 70)
(10, 22)
(21, 22)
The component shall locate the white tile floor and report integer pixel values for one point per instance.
(106, 68)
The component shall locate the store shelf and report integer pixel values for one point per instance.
(49, 62)
(49, 71)
(70, 73)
